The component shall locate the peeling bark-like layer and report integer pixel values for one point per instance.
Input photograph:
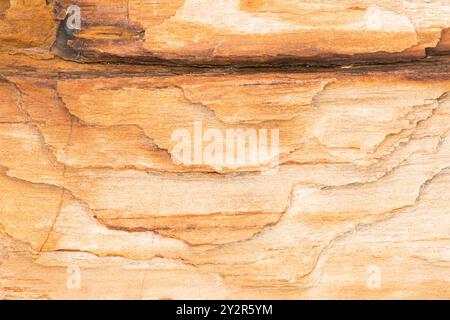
(260, 32)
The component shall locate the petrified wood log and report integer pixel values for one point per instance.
(356, 205)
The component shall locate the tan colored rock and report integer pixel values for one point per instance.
(98, 199)
(246, 31)
(26, 24)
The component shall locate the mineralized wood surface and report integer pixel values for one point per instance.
(259, 31)
(358, 206)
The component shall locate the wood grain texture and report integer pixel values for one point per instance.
(90, 179)
(247, 31)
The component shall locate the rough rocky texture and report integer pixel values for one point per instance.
(88, 179)
(248, 31)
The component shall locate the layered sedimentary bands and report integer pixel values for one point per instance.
(95, 201)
